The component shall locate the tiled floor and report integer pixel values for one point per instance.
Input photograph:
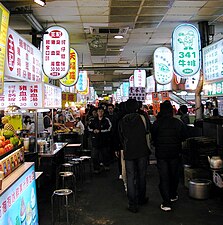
(102, 201)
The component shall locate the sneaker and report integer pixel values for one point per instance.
(174, 199)
(120, 177)
(165, 208)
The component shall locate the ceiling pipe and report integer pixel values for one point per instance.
(113, 68)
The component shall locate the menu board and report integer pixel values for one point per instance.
(213, 61)
(186, 47)
(52, 96)
(163, 65)
(71, 78)
(18, 204)
(30, 95)
(4, 20)
(23, 60)
(23, 94)
(56, 52)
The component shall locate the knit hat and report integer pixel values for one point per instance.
(131, 105)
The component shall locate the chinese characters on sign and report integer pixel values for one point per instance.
(71, 78)
(56, 52)
(82, 82)
(186, 50)
(4, 20)
(139, 78)
(52, 96)
(213, 61)
(137, 93)
(131, 81)
(150, 84)
(213, 89)
(24, 60)
(18, 204)
(24, 95)
(163, 65)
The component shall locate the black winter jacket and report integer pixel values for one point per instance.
(167, 134)
(133, 137)
(100, 139)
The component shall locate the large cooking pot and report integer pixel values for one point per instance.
(199, 188)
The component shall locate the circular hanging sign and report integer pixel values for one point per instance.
(163, 65)
(71, 78)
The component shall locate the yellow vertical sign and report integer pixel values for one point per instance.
(4, 21)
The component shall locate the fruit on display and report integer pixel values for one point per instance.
(8, 141)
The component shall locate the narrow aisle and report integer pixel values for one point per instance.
(102, 201)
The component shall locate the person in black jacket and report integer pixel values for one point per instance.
(168, 133)
(133, 137)
(100, 127)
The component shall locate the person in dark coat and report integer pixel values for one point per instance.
(133, 137)
(100, 127)
(168, 133)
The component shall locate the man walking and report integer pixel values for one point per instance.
(168, 133)
(136, 152)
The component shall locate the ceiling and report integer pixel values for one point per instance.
(145, 25)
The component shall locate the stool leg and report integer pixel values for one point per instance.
(66, 205)
(52, 208)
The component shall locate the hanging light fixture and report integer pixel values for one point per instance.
(40, 2)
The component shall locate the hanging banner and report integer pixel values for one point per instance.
(71, 78)
(139, 78)
(125, 88)
(56, 52)
(23, 60)
(213, 61)
(165, 96)
(86, 91)
(4, 21)
(150, 84)
(137, 93)
(186, 47)
(131, 81)
(52, 96)
(82, 81)
(213, 89)
(163, 65)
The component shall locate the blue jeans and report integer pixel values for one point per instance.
(136, 180)
(169, 178)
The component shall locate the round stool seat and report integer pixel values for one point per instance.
(74, 162)
(63, 192)
(85, 157)
(66, 165)
(66, 174)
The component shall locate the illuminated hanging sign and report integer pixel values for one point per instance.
(163, 65)
(186, 47)
(52, 96)
(86, 91)
(71, 78)
(213, 61)
(23, 60)
(82, 81)
(139, 78)
(4, 20)
(131, 81)
(150, 84)
(56, 52)
(125, 88)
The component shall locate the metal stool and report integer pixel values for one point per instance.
(62, 195)
(80, 167)
(67, 167)
(68, 181)
(87, 160)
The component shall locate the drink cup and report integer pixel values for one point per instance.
(26, 144)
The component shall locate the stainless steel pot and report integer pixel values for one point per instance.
(199, 188)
